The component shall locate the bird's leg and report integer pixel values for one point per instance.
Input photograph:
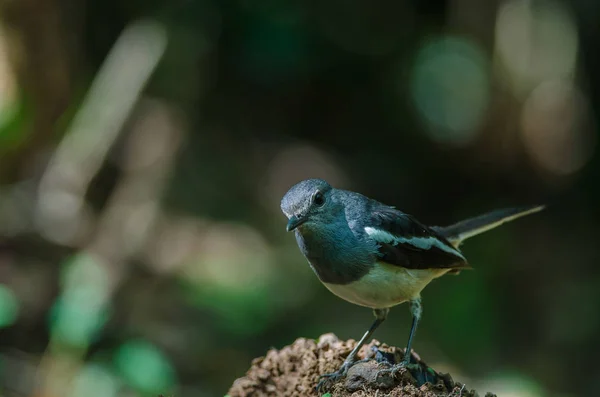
(416, 310)
(380, 316)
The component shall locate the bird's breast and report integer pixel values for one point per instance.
(335, 257)
(385, 285)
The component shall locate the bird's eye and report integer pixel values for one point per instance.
(319, 199)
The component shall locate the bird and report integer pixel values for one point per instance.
(374, 255)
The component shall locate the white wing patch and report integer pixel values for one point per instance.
(423, 243)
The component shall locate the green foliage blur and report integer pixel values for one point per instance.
(144, 148)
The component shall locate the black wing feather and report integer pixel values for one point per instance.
(402, 252)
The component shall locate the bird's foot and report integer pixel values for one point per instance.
(328, 379)
(394, 369)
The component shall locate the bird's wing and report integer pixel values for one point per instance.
(404, 241)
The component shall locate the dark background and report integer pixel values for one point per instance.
(145, 146)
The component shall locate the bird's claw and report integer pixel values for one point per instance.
(394, 369)
(334, 376)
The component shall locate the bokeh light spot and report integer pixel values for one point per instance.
(9, 307)
(231, 274)
(450, 88)
(62, 216)
(144, 367)
(535, 41)
(77, 316)
(231, 257)
(80, 312)
(83, 269)
(95, 381)
(555, 128)
(514, 384)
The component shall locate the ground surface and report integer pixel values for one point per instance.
(294, 371)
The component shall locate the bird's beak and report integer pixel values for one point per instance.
(294, 222)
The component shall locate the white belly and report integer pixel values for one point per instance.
(386, 286)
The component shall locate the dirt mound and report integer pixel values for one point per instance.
(295, 370)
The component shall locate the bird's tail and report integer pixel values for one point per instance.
(461, 231)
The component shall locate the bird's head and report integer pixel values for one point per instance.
(308, 202)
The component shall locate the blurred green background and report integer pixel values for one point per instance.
(145, 145)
